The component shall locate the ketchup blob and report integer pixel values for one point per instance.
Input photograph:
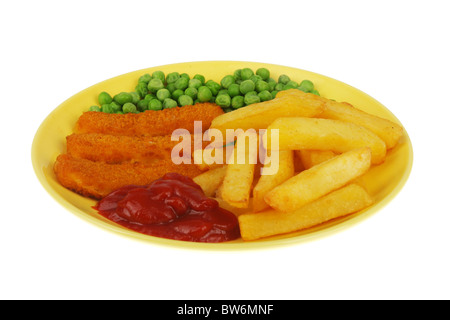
(172, 207)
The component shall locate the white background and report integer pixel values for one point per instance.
(396, 51)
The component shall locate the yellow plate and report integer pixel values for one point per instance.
(383, 182)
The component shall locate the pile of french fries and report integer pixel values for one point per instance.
(324, 147)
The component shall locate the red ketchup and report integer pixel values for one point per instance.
(173, 207)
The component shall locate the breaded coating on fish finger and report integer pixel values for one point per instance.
(149, 123)
(116, 149)
(97, 179)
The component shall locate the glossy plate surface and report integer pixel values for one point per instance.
(383, 182)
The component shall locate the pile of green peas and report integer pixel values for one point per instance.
(159, 91)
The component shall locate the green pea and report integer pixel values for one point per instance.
(195, 83)
(227, 81)
(159, 75)
(246, 73)
(314, 91)
(223, 91)
(155, 105)
(172, 77)
(115, 106)
(123, 97)
(272, 83)
(191, 92)
(223, 100)
(185, 75)
(176, 94)
(106, 108)
(196, 101)
(247, 86)
(204, 94)
(104, 98)
(306, 86)
(263, 73)
(171, 87)
(95, 108)
(145, 78)
(141, 89)
(255, 78)
(201, 78)
(237, 74)
(274, 93)
(135, 97)
(119, 112)
(279, 87)
(237, 102)
(154, 85)
(261, 85)
(185, 100)
(142, 105)
(292, 84)
(226, 110)
(162, 94)
(284, 79)
(129, 108)
(289, 86)
(169, 103)
(233, 90)
(182, 83)
(149, 97)
(213, 86)
(251, 98)
(265, 95)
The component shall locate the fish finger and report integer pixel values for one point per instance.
(149, 123)
(97, 179)
(117, 149)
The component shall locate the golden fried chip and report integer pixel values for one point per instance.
(311, 184)
(344, 201)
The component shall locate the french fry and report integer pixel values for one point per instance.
(238, 180)
(210, 180)
(387, 130)
(311, 158)
(260, 115)
(258, 166)
(298, 163)
(207, 159)
(349, 199)
(311, 184)
(324, 134)
(270, 181)
(218, 194)
(236, 211)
